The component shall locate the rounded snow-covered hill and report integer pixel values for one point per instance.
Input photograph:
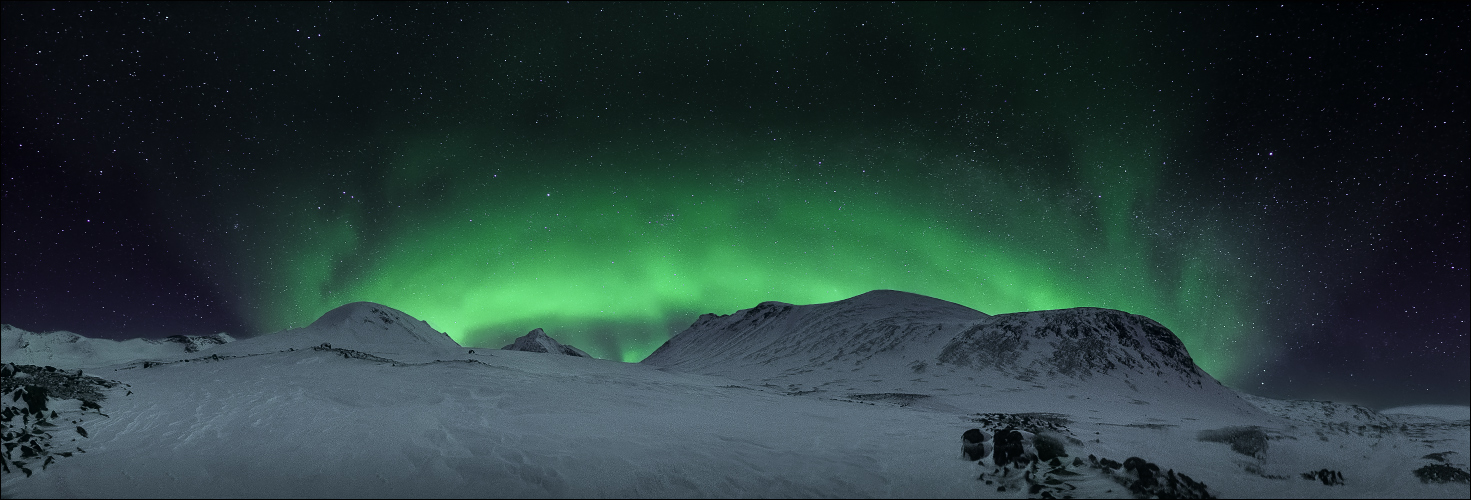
(883, 327)
(360, 326)
(951, 356)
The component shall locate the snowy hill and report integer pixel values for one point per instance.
(1079, 343)
(895, 342)
(72, 351)
(538, 341)
(360, 326)
(1449, 413)
(880, 327)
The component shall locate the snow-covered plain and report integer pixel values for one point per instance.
(866, 397)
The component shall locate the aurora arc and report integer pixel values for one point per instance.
(999, 182)
(618, 261)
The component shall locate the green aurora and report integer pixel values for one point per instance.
(619, 260)
(1012, 165)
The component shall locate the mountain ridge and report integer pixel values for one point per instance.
(366, 327)
(899, 343)
(64, 349)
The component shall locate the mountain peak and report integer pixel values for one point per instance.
(368, 324)
(359, 312)
(884, 295)
(538, 341)
(361, 326)
(891, 300)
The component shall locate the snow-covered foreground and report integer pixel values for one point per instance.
(306, 420)
(509, 424)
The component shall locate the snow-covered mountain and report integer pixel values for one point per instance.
(890, 341)
(1079, 343)
(69, 350)
(866, 397)
(881, 327)
(360, 326)
(538, 341)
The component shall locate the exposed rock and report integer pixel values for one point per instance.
(29, 424)
(193, 343)
(1328, 477)
(1049, 447)
(1442, 473)
(1014, 447)
(538, 341)
(975, 444)
(1035, 423)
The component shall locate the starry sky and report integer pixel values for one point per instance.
(1284, 187)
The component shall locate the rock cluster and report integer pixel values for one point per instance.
(29, 426)
(1022, 460)
(1328, 477)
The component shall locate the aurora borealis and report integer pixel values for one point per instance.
(1285, 187)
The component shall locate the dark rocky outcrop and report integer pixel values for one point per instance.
(538, 341)
(1328, 477)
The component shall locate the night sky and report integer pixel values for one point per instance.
(1284, 187)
